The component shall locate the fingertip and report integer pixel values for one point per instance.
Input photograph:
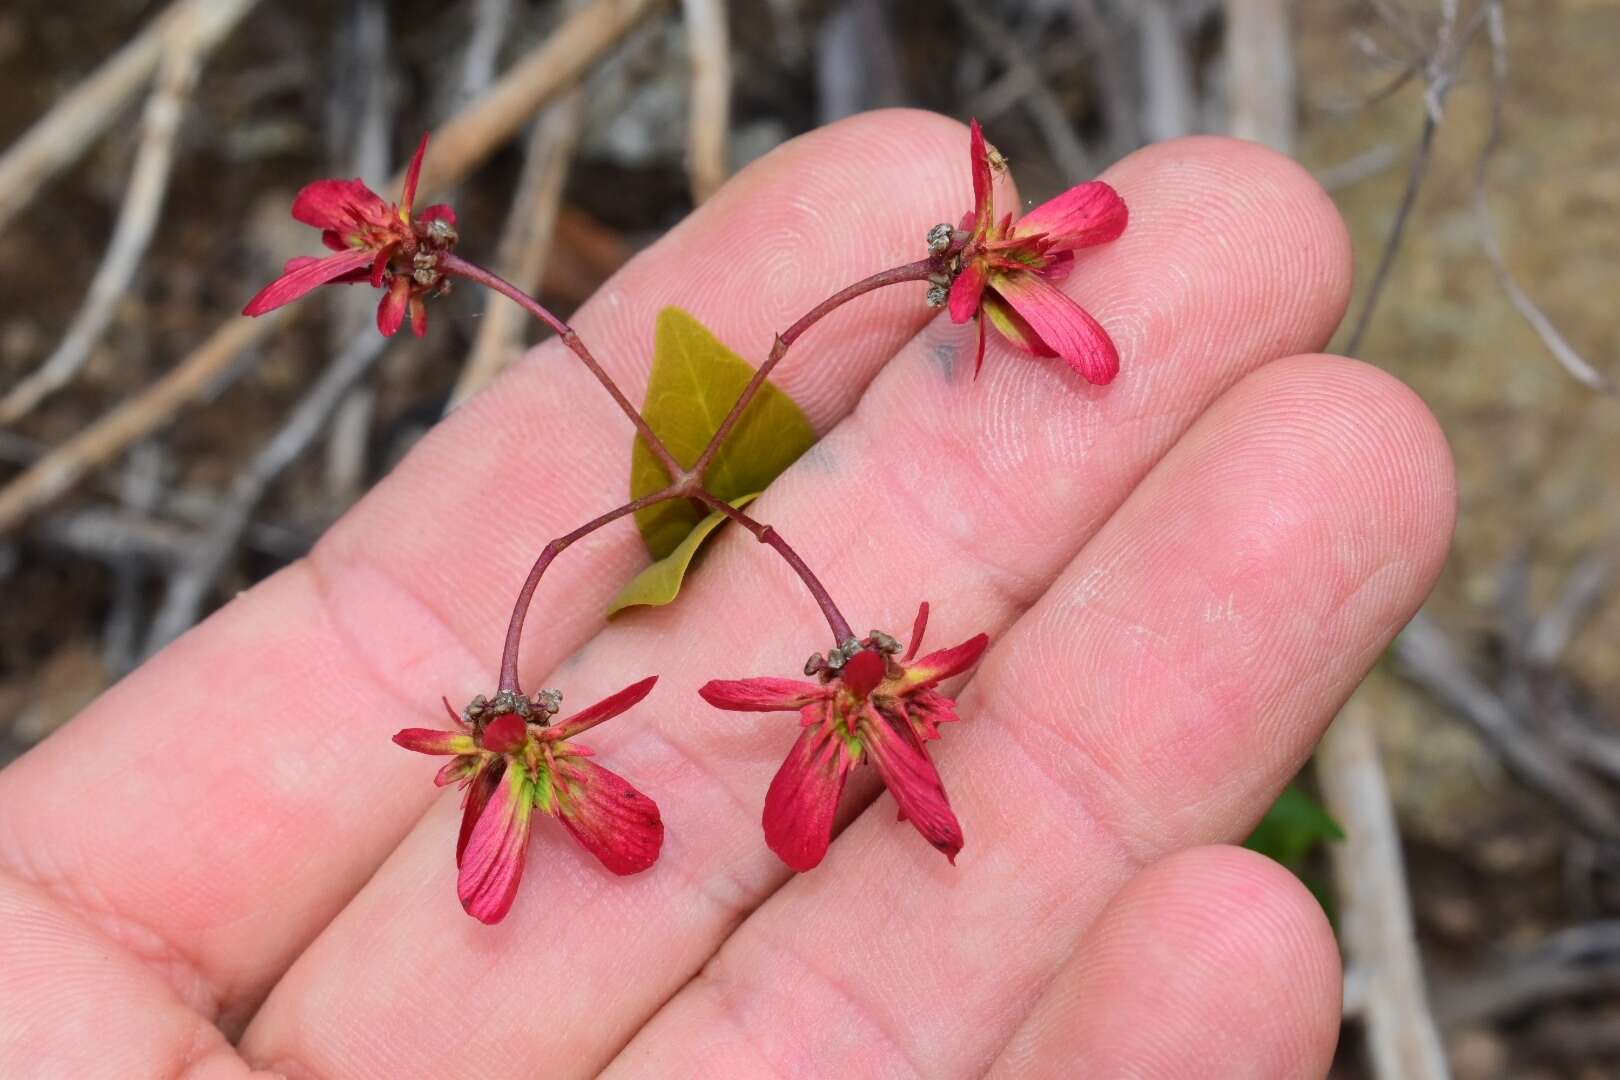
(1284, 236)
(1214, 961)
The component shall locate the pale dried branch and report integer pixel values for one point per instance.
(1577, 962)
(1113, 81)
(1427, 656)
(557, 63)
(459, 145)
(1363, 166)
(525, 243)
(1375, 915)
(137, 220)
(1168, 100)
(136, 418)
(1038, 98)
(1439, 65)
(709, 118)
(1260, 72)
(57, 139)
(189, 589)
(360, 121)
(490, 22)
(1565, 353)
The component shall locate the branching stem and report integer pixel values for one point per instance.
(684, 483)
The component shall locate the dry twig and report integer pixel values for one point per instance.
(360, 120)
(1565, 353)
(1260, 72)
(1428, 657)
(58, 138)
(709, 121)
(1439, 64)
(183, 56)
(191, 586)
(525, 242)
(1375, 917)
(1578, 962)
(1168, 108)
(459, 145)
(1040, 102)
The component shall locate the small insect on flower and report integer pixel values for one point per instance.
(376, 241)
(511, 759)
(1006, 268)
(867, 706)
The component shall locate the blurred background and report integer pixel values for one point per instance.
(158, 454)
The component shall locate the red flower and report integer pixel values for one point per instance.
(868, 706)
(1006, 269)
(511, 759)
(376, 241)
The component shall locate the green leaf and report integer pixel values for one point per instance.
(695, 380)
(1294, 827)
(657, 584)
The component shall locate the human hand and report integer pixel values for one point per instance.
(1183, 575)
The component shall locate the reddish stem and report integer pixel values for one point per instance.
(767, 534)
(917, 271)
(683, 482)
(459, 267)
(520, 610)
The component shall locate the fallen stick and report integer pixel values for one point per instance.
(709, 117)
(1375, 915)
(525, 243)
(189, 586)
(137, 219)
(57, 139)
(458, 146)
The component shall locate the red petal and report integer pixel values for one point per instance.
(1013, 326)
(412, 174)
(610, 818)
(913, 781)
(339, 205)
(492, 866)
(917, 630)
(978, 360)
(438, 212)
(863, 672)
(418, 316)
(505, 733)
(927, 709)
(353, 277)
(761, 695)
(1085, 215)
(391, 309)
(939, 666)
(379, 265)
(983, 209)
(803, 798)
(966, 291)
(482, 787)
(457, 768)
(303, 277)
(1062, 324)
(606, 709)
(433, 741)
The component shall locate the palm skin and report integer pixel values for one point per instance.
(224, 864)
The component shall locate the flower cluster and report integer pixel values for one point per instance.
(868, 703)
(1006, 269)
(866, 707)
(512, 761)
(376, 241)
